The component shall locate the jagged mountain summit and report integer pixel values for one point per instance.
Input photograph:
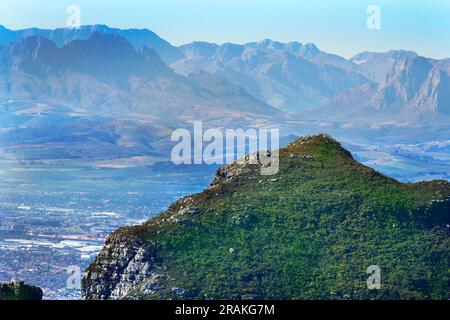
(299, 78)
(402, 83)
(290, 76)
(378, 64)
(309, 232)
(294, 77)
(105, 73)
(102, 97)
(414, 90)
(100, 91)
(137, 37)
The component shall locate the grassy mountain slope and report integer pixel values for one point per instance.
(309, 232)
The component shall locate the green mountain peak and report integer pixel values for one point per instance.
(310, 232)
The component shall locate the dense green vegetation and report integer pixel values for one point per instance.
(19, 291)
(309, 232)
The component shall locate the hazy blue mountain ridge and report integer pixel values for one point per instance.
(62, 36)
(288, 76)
(104, 77)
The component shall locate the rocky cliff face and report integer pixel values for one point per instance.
(129, 267)
(127, 264)
(310, 232)
(402, 83)
(434, 95)
(19, 291)
(378, 64)
(413, 89)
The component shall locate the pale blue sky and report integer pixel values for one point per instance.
(337, 26)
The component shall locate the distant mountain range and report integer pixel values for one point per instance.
(405, 83)
(294, 77)
(127, 81)
(289, 76)
(137, 37)
(104, 73)
(103, 96)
